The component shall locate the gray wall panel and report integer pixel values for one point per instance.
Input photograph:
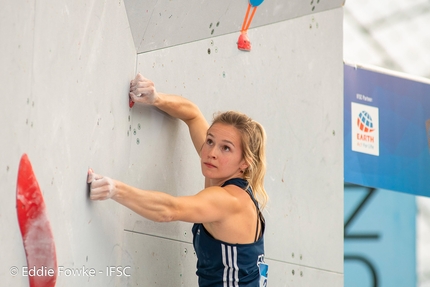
(161, 261)
(293, 86)
(65, 69)
(161, 24)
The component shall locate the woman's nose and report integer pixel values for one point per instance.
(212, 152)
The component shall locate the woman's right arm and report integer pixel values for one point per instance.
(209, 205)
(143, 91)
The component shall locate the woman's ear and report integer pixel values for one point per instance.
(243, 166)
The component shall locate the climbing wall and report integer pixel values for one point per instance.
(65, 72)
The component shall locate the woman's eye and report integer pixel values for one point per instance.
(209, 141)
(226, 148)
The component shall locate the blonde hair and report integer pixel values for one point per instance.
(253, 138)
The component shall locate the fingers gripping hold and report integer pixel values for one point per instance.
(142, 90)
(101, 187)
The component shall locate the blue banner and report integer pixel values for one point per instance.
(386, 131)
(380, 238)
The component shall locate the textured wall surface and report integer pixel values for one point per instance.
(65, 70)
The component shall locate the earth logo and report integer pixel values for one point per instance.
(364, 122)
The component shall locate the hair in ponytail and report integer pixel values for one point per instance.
(253, 138)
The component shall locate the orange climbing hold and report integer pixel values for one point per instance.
(243, 42)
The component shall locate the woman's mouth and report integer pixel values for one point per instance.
(209, 165)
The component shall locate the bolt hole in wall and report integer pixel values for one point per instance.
(214, 49)
(211, 27)
(313, 3)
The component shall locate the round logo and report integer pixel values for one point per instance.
(364, 122)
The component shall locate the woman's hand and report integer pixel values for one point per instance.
(142, 90)
(101, 187)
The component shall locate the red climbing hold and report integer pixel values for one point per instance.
(243, 42)
(130, 102)
(35, 228)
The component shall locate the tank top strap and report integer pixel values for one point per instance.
(242, 183)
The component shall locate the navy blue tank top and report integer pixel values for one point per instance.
(221, 264)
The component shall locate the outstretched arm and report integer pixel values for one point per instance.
(209, 205)
(143, 91)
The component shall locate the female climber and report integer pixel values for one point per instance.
(228, 225)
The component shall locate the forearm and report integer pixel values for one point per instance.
(153, 205)
(143, 91)
(188, 112)
(178, 107)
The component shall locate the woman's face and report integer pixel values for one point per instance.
(221, 154)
